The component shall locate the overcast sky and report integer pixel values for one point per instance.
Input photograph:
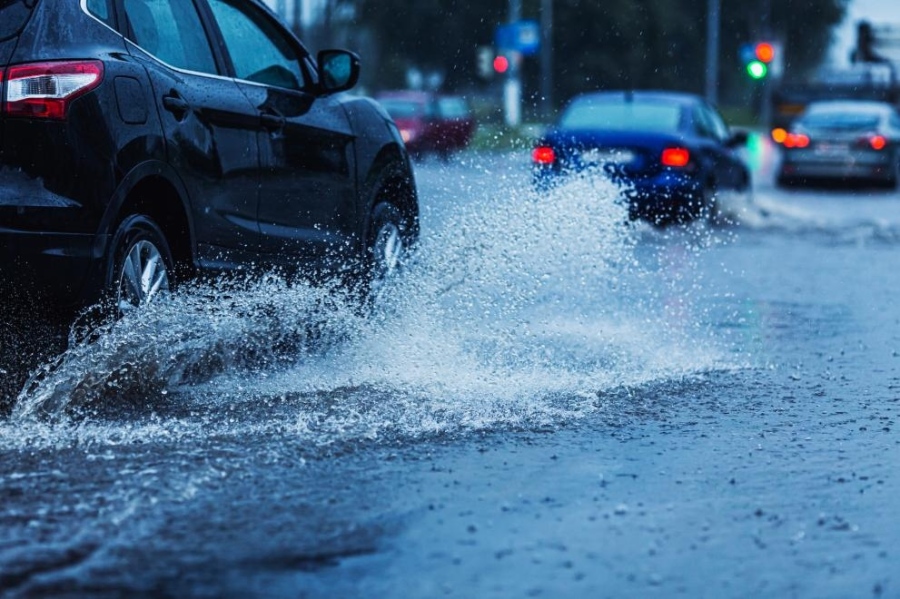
(874, 11)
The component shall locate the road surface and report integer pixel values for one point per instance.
(548, 403)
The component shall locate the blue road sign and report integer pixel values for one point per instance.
(747, 53)
(523, 36)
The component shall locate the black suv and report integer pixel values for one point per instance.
(145, 141)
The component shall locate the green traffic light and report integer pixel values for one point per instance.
(757, 69)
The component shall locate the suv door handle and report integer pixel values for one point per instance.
(271, 120)
(176, 105)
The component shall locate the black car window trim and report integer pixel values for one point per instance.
(217, 40)
(311, 68)
(307, 64)
(114, 15)
(126, 31)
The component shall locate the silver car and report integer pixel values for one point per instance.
(842, 140)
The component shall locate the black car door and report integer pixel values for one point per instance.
(307, 202)
(209, 126)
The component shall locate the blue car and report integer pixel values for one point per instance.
(672, 153)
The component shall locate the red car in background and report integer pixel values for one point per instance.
(430, 122)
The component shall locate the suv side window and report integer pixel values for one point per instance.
(259, 50)
(172, 31)
(100, 9)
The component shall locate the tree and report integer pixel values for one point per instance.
(635, 44)
(431, 35)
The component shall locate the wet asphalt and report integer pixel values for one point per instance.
(746, 447)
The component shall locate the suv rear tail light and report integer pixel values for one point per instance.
(677, 157)
(45, 90)
(543, 155)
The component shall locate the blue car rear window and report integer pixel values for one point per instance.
(622, 116)
(841, 121)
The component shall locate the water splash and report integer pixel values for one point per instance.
(520, 309)
(190, 337)
(822, 213)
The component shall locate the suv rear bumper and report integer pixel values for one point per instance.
(52, 268)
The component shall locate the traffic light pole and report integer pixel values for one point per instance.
(713, 18)
(547, 58)
(512, 89)
(766, 112)
(766, 115)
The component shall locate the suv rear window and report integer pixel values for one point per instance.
(13, 16)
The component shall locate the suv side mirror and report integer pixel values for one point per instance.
(338, 70)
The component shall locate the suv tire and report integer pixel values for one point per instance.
(387, 243)
(141, 267)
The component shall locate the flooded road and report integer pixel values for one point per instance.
(548, 402)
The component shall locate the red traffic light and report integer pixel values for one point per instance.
(764, 52)
(501, 64)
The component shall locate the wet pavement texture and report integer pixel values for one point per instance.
(556, 404)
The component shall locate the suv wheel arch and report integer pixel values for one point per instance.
(154, 190)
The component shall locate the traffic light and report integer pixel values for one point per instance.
(484, 59)
(765, 52)
(501, 64)
(757, 69)
(758, 59)
(488, 64)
